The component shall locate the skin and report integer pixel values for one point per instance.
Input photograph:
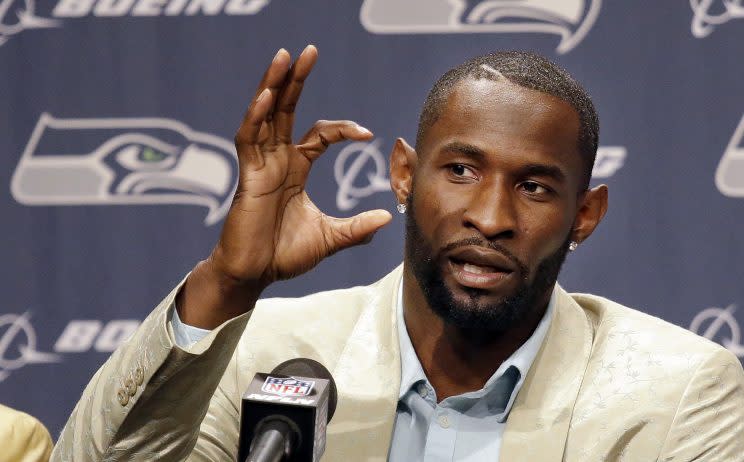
(471, 180)
(273, 230)
(509, 173)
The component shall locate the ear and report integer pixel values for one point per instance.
(591, 211)
(403, 160)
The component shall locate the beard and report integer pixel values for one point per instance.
(473, 314)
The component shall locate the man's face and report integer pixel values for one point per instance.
(493, 201)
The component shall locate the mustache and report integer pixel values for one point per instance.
(480, 242)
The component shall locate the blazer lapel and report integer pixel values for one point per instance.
(368, 372)
(537, 427)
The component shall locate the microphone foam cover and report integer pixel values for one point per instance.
(305, 367)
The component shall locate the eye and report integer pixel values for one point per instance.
(136, 156)
(534, 188)
(462, 171)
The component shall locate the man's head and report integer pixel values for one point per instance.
(497, 187)
(527, 70)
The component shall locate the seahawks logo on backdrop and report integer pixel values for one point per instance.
(129, 161)
(569, 19)
(730, 172)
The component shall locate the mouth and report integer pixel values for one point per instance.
(480, 269)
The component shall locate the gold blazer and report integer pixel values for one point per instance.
(22, 437)
(609, 384)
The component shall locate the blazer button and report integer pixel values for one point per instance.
(130, 387)
(122, 396)
(139, 375)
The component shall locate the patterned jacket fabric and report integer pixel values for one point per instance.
(608, 384)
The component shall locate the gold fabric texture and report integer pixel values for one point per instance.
(609, 384)
(22, 437)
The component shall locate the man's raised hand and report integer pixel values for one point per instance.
(273, 230)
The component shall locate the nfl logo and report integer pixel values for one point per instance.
(287, 386)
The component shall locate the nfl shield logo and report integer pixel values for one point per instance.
(287, 386)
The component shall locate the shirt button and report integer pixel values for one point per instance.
(443, 421)
(422, 390)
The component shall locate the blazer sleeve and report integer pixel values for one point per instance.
(150, 398)
(709, 422)
(22, 437)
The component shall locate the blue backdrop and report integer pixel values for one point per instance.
(116, 118)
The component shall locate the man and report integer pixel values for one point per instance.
(470, 350)
(22, 437)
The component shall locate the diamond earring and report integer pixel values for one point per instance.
(573, 245)
(401, 208)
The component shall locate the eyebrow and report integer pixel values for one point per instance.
(550, 171)
(465, 149)
(544, 170)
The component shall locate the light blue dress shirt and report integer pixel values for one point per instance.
(466, 427)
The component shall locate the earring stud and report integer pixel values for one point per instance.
(401, 208)
(573, 245)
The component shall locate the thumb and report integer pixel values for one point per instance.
(359, 229)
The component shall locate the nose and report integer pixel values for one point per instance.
(492, 211)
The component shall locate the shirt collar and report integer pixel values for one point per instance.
(522, 358)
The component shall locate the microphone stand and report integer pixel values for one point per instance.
(273, 443)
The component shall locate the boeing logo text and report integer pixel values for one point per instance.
(19, 15)
(18, 340)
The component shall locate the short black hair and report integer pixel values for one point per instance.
(527, 70)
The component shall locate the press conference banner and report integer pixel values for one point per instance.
(117, 166)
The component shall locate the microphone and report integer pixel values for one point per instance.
(284, 413)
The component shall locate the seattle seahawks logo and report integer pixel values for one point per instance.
(19, 15)
(730, 172)
(125, 161)
(569, 19)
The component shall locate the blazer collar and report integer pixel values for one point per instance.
(537, 427)
(368, 372)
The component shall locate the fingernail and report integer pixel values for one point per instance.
(363, 130)
(276, 56)
(262, 95)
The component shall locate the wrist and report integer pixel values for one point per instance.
(210, 297)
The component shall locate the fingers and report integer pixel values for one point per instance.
(290, 94)
(326, 132)
(359, 229)
(272, 81)
(275, 74)
(248, 134)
